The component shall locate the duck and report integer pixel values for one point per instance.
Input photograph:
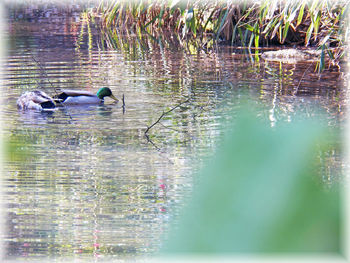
(80, 97)
(35, 100)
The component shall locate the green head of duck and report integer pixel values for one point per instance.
(105, 92)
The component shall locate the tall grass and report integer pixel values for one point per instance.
(318, 23)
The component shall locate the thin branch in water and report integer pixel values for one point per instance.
(150, 141)
(48, 80)
(157, 148)
(43, 71)
(158, 121)
(123, 100)
(296, 90)
(162, 115)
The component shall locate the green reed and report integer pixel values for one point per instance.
(317, 23)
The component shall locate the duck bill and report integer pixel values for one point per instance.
(112, 96)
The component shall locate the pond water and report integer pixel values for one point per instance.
(85, 182)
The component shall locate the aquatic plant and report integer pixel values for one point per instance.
(244, 23)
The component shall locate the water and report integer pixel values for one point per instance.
(84, 182)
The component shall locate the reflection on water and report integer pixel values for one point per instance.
(84, 181)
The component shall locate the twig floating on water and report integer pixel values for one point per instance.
(162, 115)
(43, 71)
(48, 80)
(296, 90)
(158, 121)
(123, 100)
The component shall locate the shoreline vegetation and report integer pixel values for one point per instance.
(204, 24)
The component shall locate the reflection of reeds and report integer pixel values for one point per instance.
(243, 23)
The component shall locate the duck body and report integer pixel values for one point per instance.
(80, 97)
(72, 97)
(35, 100)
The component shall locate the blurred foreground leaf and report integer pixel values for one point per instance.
(262, 194)
(15, 149)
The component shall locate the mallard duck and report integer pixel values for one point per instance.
(76, 97)
(35, 100)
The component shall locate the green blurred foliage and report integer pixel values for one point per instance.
(262, 193)
(15, 148)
